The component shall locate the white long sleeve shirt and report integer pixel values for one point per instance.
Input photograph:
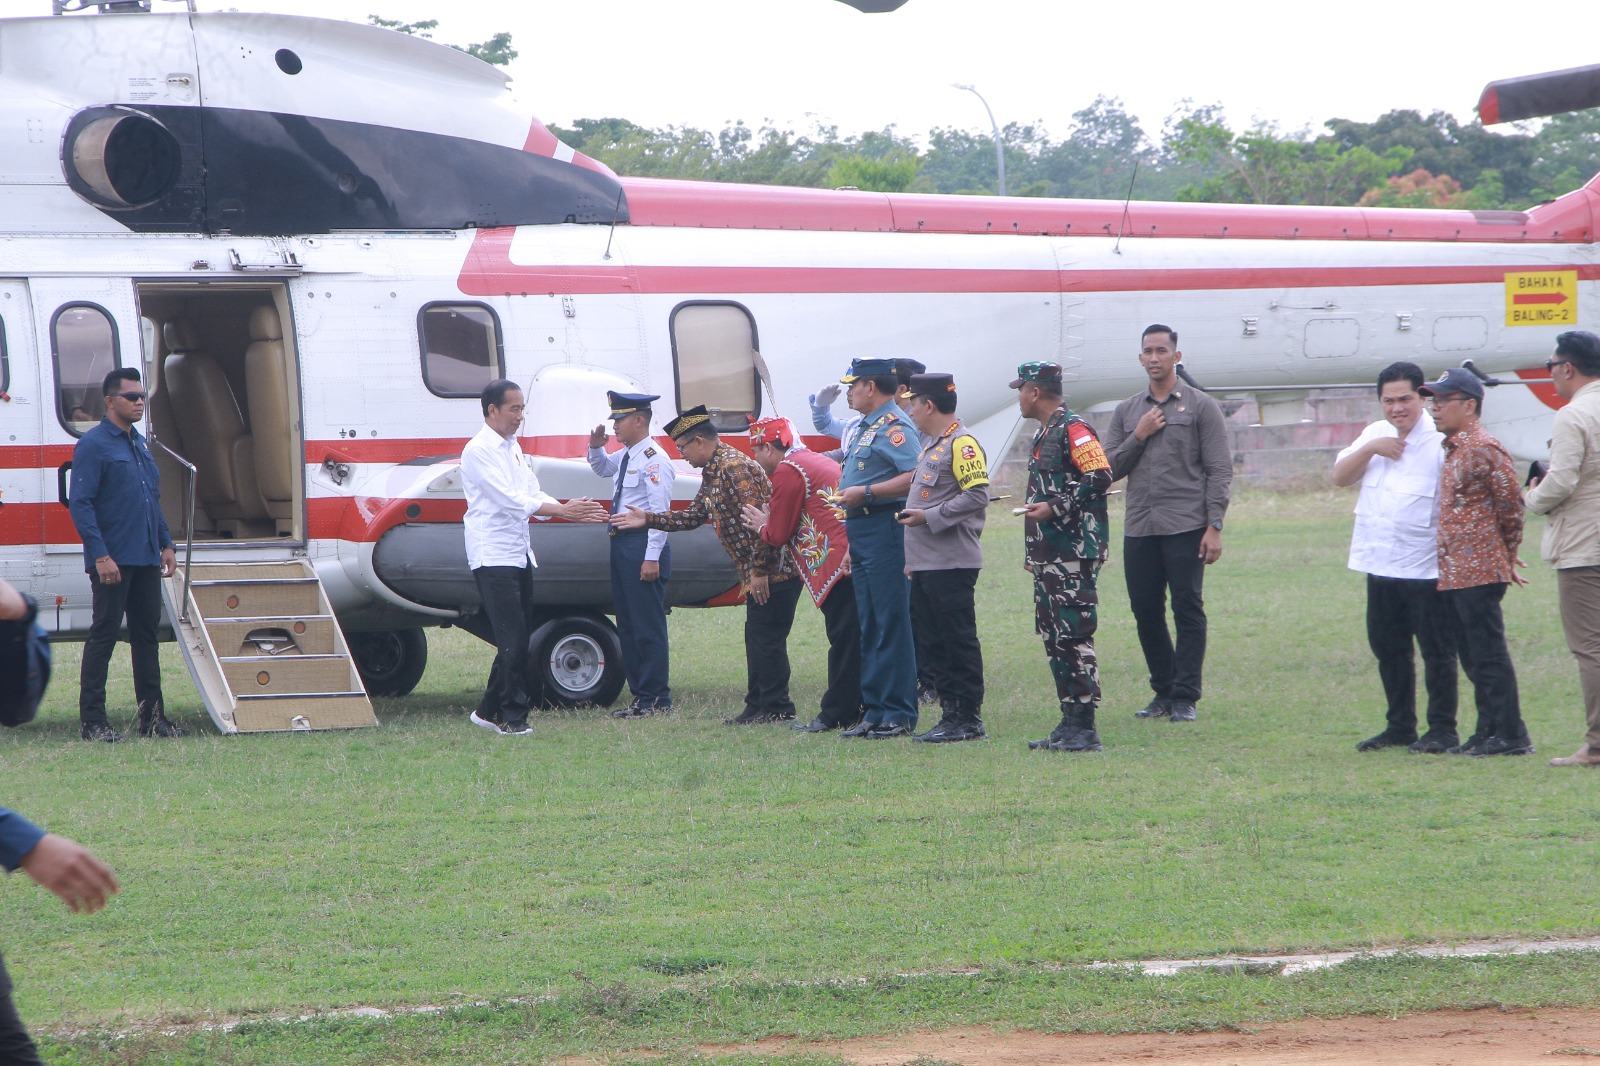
(502, 494)
(646, 485)
(1397, 513)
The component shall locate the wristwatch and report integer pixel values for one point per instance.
(867, 493)
(1217, 525)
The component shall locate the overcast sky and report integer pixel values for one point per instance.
(798, 62)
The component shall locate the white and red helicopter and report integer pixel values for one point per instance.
(321, 239)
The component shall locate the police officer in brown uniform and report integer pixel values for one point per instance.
(943, 517)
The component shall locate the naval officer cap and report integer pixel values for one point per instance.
(932, 385)
(629, 403)
(869, 368)
(1037, 373)
(694, 416)
(1456, 379)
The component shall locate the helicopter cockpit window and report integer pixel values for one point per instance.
(83, 344)
(714, 353)
(461, 348)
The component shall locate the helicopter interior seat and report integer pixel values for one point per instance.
(266, 369)
(174, 478)
(213, 428)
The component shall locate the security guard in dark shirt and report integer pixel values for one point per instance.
(876, 475)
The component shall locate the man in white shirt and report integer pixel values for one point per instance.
(1395, 543)
(641, 560)
(502, 494)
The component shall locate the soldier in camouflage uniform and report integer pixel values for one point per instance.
(1068, 475)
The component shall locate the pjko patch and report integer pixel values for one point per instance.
(967, 463)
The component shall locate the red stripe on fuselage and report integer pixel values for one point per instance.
(488, 271)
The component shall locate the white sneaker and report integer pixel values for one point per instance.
(483, 723)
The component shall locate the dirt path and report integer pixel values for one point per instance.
(1442, 1038)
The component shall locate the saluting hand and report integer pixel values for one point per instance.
(826, 395)
(598, 436)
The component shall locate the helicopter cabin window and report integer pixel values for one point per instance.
(461, 348)
(83, 343)
(715, 357)
(5, 362)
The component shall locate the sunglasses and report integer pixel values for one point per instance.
(131, 397)
(1551, 364)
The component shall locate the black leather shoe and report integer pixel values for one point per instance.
(859, 730)
(1159, 707)
(1469, 746)
(1434, 742)
(100, 731)
(816, 725)
(1385, 739)
(1182, 711)
(953, 733)
(887, 732)
(1504, 746)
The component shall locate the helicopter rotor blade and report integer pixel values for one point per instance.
(1539, 95)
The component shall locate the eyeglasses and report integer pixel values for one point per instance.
(1551, 364)
(1439, 401)
(131, 397)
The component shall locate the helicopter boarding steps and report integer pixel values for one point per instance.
(265, 650)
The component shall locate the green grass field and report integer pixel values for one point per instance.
(605, 886)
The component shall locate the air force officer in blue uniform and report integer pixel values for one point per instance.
(876, 476)
(641, 560)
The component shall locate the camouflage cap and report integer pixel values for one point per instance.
(1037, 373)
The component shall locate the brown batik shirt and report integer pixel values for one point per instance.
(727, 482)
(1480, 512)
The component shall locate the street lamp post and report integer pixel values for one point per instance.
(999, 150)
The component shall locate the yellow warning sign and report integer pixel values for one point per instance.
(1542, 298)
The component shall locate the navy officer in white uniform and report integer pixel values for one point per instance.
(641, 560)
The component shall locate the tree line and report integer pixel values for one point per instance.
(1401, 159)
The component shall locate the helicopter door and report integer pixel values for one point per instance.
(24, 503)
(84, 327)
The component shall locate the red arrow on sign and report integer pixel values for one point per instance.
(1540, 298)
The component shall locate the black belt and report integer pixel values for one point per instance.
(888, 507)
(615, 532)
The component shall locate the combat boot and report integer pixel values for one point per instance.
(947, 728)
(1075, 733)
(153, 721)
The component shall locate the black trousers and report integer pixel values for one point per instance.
(16, 1048)
(930, 671)
(943, 610)
(766, 649)
(1480, 633)
(1155, 566)
(137, 597)
(507, 595)
(1400, 611)
(841, 703)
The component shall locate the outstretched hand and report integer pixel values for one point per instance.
(583, 509)
(632, 518)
